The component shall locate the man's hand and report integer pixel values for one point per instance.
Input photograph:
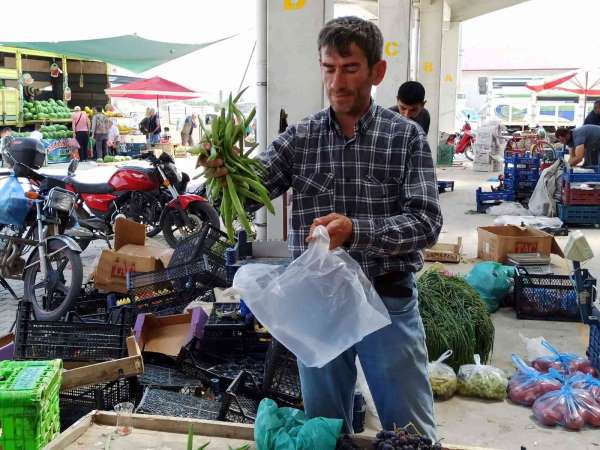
(338, 226)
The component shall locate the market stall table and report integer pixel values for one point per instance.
(157, 432)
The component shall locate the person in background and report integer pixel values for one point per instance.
(80, 124)
(36, 133)
(191, 122)
(100, 128)
(410, 102)
(154, 128)
(593, 118)
(5, 139)
(113, 138)
(166, 136)
(583, 143)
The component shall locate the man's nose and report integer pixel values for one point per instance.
(337, 80)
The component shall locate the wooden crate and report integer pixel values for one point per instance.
(171, 432)
(442, 252)
(83, 375)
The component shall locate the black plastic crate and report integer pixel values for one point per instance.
(91, 304)
(241, 400)
(162, 402)
(69, 340)
(214, 249)
(225, 368)
(170, 290)
(545, 297)
(282, 378)
(77, 402)
(169, 378)
(226, 316)
(189, 248)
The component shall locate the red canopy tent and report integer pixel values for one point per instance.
(584, 82)
(152, 88)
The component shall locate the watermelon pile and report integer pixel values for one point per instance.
(46, 110)
(55, 132)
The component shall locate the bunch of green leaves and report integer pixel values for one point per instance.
(243, 181)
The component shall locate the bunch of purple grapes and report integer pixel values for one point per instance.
(402, 440)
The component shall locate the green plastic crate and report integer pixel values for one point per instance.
(445, 155)
(29, 405)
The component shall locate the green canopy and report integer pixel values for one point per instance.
(130, 52)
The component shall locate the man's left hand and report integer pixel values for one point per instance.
(338, 226)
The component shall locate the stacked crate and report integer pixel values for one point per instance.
(521, 174)
(580, 206)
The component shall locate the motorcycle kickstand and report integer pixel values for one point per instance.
(6, 286)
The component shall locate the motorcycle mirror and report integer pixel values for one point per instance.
(72, 167)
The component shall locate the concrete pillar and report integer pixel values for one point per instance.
(293, 73)
(449, 81)
(430, 61)
(394, 22)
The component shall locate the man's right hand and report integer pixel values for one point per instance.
(214, 168)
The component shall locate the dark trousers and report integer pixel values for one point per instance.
(101, 141)
(82, 138)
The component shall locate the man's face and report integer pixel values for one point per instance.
(410, 111)
(597, 109)
(564, 140)
(348, 79)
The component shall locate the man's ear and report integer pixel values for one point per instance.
(378, 71)
(424, 101)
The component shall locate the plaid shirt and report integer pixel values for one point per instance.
(383, 179)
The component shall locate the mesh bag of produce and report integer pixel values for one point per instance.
(528, 384)
(570, 407)
(483, 381)
(588, 383)
(565, 363)
(442, 377)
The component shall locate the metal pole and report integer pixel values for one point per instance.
(585, 96)
(261, 101)
(247, 67)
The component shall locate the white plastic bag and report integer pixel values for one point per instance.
(482, 381)
(535, 348)
(442, 377)
(317, 307)
(508, 209)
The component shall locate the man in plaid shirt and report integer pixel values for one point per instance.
(366, 174)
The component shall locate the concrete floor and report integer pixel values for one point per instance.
(503, 425)
(497, 425)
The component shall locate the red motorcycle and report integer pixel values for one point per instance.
(154, 196)
(466, 142)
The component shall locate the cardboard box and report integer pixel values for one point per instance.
(494, 243)
(130, 253)
(169, 334)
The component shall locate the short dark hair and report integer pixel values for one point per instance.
(340, 33)
(411, 93)
(596, 103)
(562, 132)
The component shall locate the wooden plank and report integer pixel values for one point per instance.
(106, 371)
(181, 425)
(72, 433)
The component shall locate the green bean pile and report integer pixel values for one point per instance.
(455, 318)
(225, 140)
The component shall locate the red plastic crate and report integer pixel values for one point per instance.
(580, 196)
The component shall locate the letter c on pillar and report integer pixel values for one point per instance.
(391, 48)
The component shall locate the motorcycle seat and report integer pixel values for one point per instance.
(91, 188)
(146, 170)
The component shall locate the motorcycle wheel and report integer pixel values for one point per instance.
(173, 227)
(470, 153)
(52, 297)
(150, 212)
